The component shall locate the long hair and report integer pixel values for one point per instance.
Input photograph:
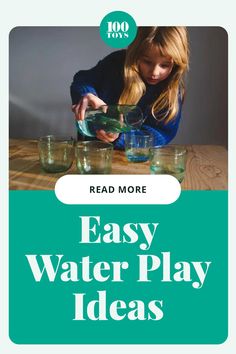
(172, 42)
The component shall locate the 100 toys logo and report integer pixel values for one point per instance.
(118, 29)
(92, 231)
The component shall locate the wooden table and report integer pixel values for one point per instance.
(206, 167)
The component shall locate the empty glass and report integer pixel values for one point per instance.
(137, 145)
(170, 159)
(56, 154)
(111, 119)
(94, 157)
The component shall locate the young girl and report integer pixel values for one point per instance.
(149, 73)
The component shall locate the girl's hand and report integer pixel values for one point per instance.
(106, 137)
(95, 102)
(88, 100)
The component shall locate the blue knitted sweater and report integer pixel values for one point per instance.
(105, 80)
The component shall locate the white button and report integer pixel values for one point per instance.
(117, 189)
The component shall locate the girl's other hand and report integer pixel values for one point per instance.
(88, 100)
(106, 137)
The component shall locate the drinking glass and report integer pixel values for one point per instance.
(137, 145)
(169, 159)
(94, 157)
(56, 154)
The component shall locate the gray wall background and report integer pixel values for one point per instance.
(43, 60)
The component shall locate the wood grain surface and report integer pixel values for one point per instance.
(206, 167)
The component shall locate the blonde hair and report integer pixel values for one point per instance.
(172, 42)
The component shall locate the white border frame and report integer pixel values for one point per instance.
(82, 13)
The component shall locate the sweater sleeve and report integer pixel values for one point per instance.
(162, 133)
(85, 81)
(90, 81)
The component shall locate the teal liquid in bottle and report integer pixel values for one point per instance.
(111, 119)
